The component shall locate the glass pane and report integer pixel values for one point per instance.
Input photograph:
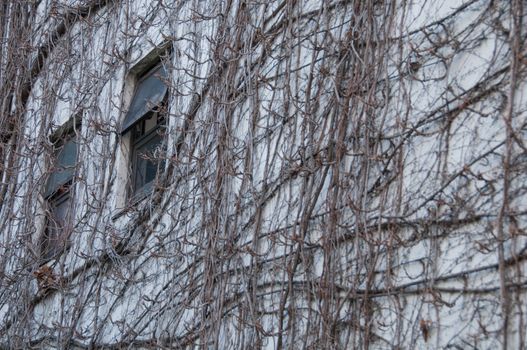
(148, 95)
(64, 167)
(57, 228)
(146, 162)
(150, 122)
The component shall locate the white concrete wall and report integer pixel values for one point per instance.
(263, 235)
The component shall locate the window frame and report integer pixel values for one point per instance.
(134, 191)
(55, 240)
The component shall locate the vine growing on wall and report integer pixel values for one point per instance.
(332, 175)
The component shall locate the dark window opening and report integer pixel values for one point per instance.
(58, 226)
(58, 195)
(147, 140)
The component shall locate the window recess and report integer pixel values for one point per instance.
(145, 122)
(58, 196)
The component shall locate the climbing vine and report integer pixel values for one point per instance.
(334, 175)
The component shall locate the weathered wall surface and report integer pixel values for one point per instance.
(337, 175)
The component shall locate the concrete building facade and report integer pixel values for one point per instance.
(269, 174)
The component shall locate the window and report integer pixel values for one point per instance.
(145, 121)
(146, 140)
(58, 195)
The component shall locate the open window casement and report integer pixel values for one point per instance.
(149, 94)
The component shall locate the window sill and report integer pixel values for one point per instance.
(135, 201)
